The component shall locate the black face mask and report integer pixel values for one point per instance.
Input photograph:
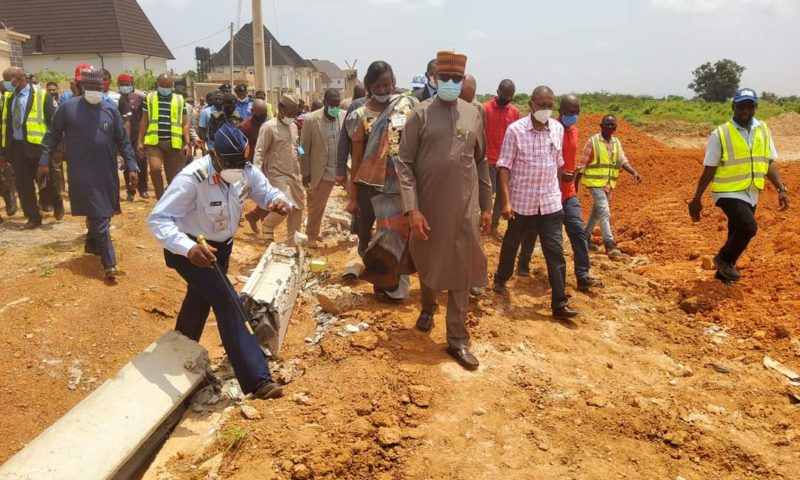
(502, 102)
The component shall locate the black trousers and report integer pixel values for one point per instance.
(25, 170)
(742, 227)
(365, 219)
(206, 290)
(548, 227)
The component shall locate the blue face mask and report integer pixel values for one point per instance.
(125, 89)
(449, 91)
(8, 85)
(569, 120)
(165, 91)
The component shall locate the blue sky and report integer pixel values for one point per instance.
(626, 46)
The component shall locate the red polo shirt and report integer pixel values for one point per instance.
(570, 151)
(497, 121)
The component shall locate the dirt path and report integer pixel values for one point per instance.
(632, 389)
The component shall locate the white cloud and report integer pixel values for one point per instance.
(477, 35)
(713, 6)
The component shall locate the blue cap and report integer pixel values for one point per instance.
(419, 81)
(230, 144)
(745, 94)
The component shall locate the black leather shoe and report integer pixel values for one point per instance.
(425, 321)
(589, 282)
(130, 197)
(32, 223)
(500, 287)
(58, 211)
(464, 357)
(268, 390)
(110, 273)
(565, 313)
(726, 270)
(144, 195)
(11, 203)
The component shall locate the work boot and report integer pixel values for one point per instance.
(612, 250)
(268, 390)
(588, 282)
(726, 270)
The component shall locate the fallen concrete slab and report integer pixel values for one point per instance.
(103, 437)
(270, 293)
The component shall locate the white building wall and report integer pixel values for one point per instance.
(115, 63)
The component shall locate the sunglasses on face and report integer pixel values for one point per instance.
(446, 77)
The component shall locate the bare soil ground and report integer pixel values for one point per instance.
(662, 376)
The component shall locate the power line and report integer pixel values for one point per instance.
(200, 40)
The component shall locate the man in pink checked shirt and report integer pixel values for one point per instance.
(528, 171)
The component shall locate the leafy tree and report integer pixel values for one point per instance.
(718, 82)
(48, 75)
(769, 97)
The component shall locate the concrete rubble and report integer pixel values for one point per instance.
(337, 299)
(270, 293)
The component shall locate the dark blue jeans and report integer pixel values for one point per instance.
(573, 222)
(548, 228)
(207, 290)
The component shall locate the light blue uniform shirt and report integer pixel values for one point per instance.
(21, 102)
(244, 107)
(714, 156)
(194, 205)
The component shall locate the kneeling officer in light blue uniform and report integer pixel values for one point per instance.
(206, 198)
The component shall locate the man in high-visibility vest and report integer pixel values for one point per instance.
(739, 155)
(599, 168)
(164, 133)
(26, 117)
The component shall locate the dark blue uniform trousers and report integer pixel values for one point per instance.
(99, 239)
(207, 290)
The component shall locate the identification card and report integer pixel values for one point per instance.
(398, 121)
(221, 224)
(300, 150)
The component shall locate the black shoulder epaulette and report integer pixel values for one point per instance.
(201, 174)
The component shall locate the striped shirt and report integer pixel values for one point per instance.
(533, 159)
(164, 110)
(332, 129)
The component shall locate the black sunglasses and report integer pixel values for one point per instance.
(446, 77)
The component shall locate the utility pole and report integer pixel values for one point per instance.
(258, 45)
(231, 53)
(269, 98)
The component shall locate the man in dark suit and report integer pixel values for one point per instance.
(26, 117)
(428, 90)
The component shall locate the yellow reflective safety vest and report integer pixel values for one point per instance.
(742, 166)
(176, 111)
(35, 125)
(602, 170)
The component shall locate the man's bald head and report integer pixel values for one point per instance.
(468, 87)
(259, 107)
(542, 91)
(505, 92)
(569, 105)
(165, 80)
(11, 73)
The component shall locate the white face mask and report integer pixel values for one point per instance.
(93, 97)
(542, 116)
(287, 120)
(231, 175)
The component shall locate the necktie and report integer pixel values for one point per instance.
(16, 119)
